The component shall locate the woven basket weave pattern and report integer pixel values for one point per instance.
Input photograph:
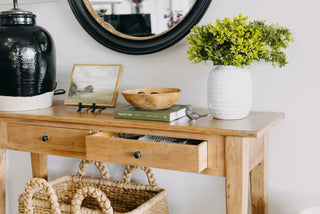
(124, 197)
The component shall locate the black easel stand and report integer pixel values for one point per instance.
(93, 108)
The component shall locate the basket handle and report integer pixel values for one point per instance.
(126, 176)
(93, 192)
(100, 165)
(33, 186)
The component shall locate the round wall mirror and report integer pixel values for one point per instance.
(138, 26)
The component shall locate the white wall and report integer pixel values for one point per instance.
(294, 177)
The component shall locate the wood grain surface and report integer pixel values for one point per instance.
(61, 141)
(230, 148)
(181, 157)
(255, 125)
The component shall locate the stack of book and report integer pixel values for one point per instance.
(129, 112)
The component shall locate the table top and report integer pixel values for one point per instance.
(255, 125)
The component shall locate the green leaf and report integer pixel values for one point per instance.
(238, 42)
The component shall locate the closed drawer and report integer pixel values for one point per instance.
(47, 140)
(181, 157)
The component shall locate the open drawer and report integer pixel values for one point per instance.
(181, 157)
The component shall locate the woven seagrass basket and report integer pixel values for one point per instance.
(80, 194)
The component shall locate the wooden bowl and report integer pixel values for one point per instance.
(152, 98)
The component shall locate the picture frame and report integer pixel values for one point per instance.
(94, 84)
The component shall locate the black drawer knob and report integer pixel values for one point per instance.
(137, 154)
(45, 138)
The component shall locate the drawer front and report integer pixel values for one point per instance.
(181, 157)
(47, 140)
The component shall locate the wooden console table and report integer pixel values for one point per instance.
(233, 149)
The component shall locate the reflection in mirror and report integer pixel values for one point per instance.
(141, 18)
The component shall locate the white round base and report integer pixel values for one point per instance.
(9, 103)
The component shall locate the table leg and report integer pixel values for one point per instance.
(259, 184)
(39, 165)
(2, 181)
(237, 175)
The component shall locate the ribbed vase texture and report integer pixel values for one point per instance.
(229, 92)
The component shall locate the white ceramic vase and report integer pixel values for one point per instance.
(229, 92)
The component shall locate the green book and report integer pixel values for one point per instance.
(129, 112)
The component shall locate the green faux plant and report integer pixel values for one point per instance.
(238, 42)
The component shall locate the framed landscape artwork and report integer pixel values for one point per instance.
(94, 84)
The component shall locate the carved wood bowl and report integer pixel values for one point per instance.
(152, 98)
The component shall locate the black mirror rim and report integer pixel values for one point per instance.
(138, 47)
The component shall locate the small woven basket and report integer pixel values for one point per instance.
(80, 194)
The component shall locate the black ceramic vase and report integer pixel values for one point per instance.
(27, 63)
